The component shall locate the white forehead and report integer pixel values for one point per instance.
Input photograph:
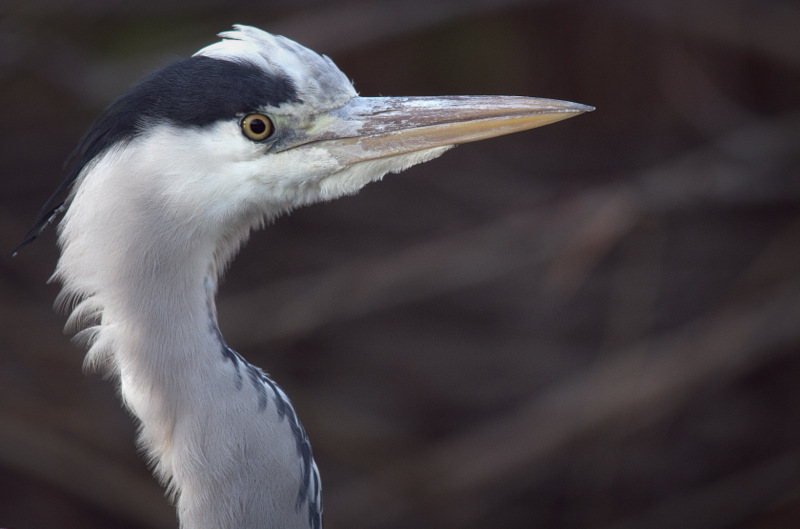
(316, 78)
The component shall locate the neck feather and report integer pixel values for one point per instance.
(141, 286)
(140, 272)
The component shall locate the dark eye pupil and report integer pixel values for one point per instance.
(257, 126)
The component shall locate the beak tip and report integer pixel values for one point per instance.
(577, 108)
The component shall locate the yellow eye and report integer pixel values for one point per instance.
(257, 127)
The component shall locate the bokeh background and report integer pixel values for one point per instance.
(590, 325)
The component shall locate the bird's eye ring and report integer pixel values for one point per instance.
(257, 127)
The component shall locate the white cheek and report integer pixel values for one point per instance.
(216, 172)
(202, 168)
(291, 178)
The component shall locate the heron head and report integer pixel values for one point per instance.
(255, 125)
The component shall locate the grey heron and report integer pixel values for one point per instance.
(166, 186)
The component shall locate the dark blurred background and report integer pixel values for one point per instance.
(590, 325)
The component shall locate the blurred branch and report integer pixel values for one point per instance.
(336, 27)
(637, 386)
(73, 467)
(747, 166)
(724, 502)
(769, 28)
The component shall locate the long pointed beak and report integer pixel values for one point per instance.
(369, 128)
